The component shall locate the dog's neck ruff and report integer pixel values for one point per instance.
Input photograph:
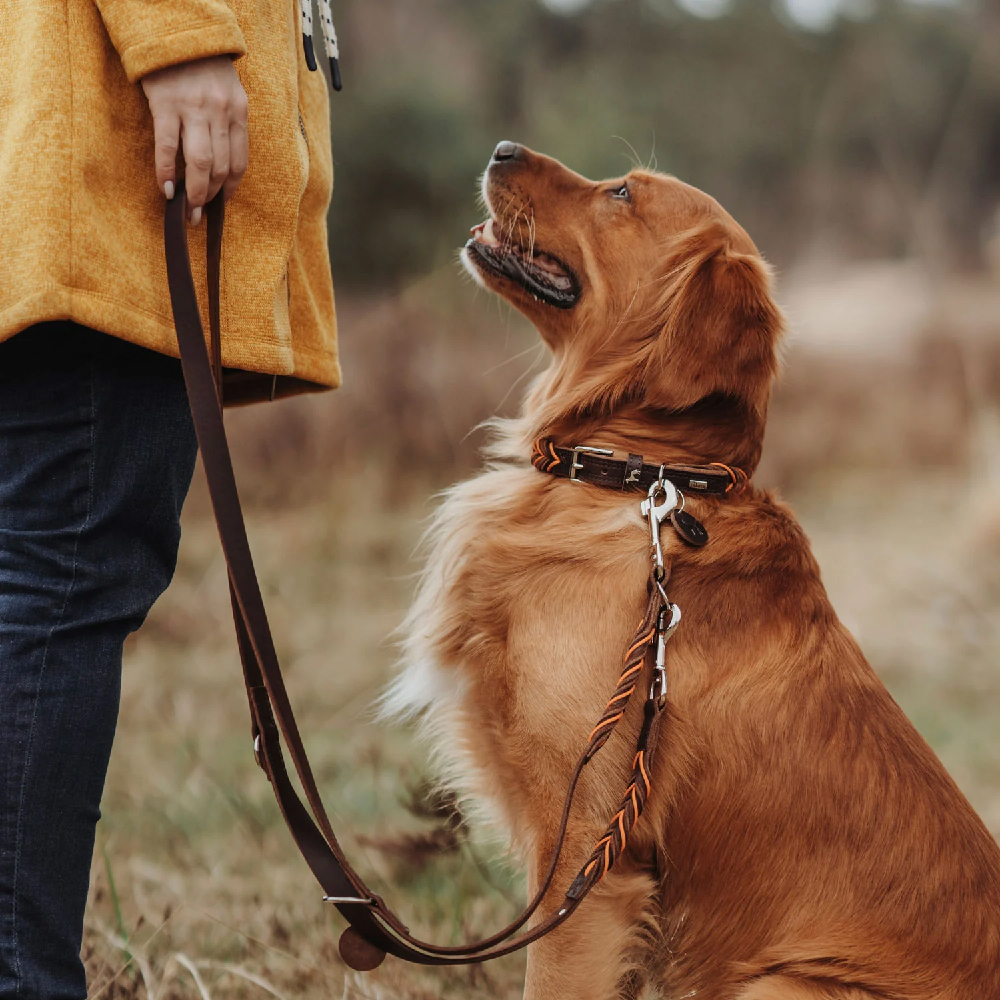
(600, 467)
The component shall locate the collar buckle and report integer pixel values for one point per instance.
(576, 465)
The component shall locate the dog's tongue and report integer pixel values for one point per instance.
(547, 264)
(552, 270)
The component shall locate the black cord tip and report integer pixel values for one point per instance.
(307, 47)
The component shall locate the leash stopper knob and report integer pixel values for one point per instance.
(358, 954)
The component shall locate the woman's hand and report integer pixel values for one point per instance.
(201, 106)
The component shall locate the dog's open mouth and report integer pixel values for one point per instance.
(540, 274)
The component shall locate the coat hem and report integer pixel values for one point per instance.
(156, 332)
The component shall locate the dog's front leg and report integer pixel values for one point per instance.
(589, 956)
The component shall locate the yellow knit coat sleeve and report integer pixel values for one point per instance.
(81, 217)
(150, 36)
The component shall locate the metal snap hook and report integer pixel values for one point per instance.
(656, 514)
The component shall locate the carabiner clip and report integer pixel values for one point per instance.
(656, 514)
(664, 630)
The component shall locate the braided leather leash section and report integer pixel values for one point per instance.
(635, 658)
(612, 845)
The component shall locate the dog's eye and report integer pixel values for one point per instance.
(621, 193)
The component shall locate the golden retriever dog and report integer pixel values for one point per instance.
(800, 841)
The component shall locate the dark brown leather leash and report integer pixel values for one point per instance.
(374, 929)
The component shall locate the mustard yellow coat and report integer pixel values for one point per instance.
(81, 217)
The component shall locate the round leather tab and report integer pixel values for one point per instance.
(689, 528)
(358, 954)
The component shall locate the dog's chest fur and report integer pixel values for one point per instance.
(531, 589)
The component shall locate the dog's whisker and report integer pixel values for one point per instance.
(540, 350)
(636, 161)
(620, 321)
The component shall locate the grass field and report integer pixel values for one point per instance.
(197, 888)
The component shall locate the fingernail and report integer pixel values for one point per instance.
(196, 217)
(168, 189)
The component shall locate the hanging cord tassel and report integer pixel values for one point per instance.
(305, 9)
(329, 39)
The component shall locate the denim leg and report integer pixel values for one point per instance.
(97, 450)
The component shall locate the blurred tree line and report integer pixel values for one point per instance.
(879, 137)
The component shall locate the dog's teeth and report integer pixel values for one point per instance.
(484, 233)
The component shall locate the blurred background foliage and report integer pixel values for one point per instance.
(878, 136)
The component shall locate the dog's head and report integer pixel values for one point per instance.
(651, 297)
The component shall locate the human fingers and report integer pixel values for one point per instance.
(238, 159)
(219, 131)
(239, 149)
(198, 160)
(167, 131)
(201, 107)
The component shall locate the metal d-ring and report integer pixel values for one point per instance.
(662, 478)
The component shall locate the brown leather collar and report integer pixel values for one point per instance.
(600, 467)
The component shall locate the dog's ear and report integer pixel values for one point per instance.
(716, 326)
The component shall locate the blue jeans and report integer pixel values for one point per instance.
(97, 449)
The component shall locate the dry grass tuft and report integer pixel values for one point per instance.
(414, 851)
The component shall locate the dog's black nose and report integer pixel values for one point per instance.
(506, 151)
